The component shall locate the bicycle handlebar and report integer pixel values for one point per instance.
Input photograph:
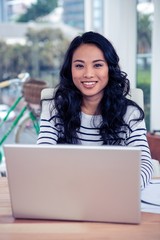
(22, 77)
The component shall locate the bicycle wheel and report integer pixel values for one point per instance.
(25, 132)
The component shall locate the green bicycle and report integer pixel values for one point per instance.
(26, 123)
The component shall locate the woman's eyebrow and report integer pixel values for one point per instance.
(97, 60)
(78, 60)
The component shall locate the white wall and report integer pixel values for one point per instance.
(155, 71)
(120, 27)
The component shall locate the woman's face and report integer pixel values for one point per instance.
(90, 71)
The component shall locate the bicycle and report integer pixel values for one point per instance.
(26, 123)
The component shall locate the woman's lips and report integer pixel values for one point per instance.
(89, 84)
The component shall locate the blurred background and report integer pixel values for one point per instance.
(34, 35)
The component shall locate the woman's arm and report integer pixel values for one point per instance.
(137, 137)
(48, 131)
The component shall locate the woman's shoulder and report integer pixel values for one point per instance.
(132, 113)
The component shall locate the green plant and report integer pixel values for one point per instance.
(143, 82)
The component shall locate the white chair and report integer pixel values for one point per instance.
(136, 94)
(47, 93)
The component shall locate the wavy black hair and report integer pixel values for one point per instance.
(113, 106)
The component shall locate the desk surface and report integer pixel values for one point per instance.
(36, 229)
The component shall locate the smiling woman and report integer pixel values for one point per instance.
(90, 104)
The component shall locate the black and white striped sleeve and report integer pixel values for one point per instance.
(48, 131)
(137, 137)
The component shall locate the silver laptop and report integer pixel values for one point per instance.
(73, 182)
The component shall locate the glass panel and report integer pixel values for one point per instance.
(145, 11)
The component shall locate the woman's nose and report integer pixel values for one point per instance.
(89, 73)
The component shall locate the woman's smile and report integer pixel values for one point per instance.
(89, 85)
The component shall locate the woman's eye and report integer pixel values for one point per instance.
(79, 66)
(98, 65)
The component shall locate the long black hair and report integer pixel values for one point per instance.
(113, 106)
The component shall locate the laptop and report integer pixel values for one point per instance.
(74, 182)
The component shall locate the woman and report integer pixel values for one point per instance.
(90, 105)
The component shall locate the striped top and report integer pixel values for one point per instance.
(88, 134)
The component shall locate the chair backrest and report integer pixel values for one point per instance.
(136, 94)
(47, 93)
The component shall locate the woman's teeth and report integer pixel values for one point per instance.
(89, 83)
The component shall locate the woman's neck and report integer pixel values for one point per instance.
(90, 107)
